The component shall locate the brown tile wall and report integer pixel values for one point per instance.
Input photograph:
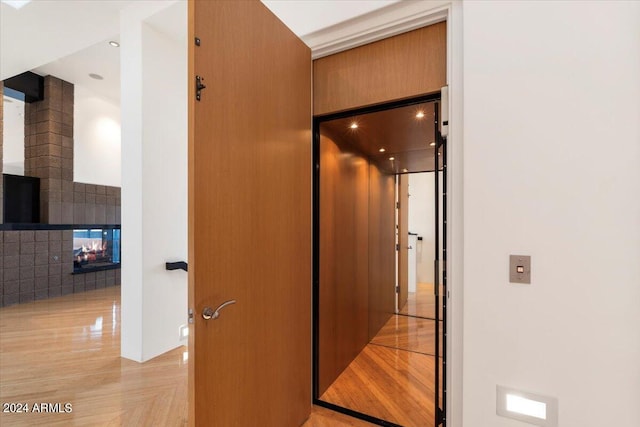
(49, 156)
(94, 204)
(37, 264)
(49, 148)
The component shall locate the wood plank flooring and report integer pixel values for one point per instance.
(390, 384)
(420, 303)
(408, 333)
(393, 376)
(67, 350)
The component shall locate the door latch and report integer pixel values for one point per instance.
(190, 317)
(199, 87)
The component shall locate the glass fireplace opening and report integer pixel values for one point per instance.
(96, 249)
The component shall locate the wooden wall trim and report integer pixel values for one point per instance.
(399, 67)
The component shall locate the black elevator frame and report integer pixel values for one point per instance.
(440, 412)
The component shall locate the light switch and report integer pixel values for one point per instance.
(520, 269)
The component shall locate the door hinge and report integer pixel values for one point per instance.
(199, 87)
(397, 289)
(397, 247)
(397, 205)
(441, 417)
(197, 41)
(190, 316)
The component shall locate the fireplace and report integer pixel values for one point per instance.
(96, 249)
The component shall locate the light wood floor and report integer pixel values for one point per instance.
(408, 333)
(420, 303)
(391, 384)
(67, 350)
(393, 377)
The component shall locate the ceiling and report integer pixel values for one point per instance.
(69, 38)
(405, 134)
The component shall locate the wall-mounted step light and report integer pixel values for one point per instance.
(527, 407)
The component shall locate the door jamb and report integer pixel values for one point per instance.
(433, 97)
(387, 22)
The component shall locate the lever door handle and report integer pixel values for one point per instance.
(209, 313)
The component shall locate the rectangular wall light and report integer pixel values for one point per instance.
(527, 407)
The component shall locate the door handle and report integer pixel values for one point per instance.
(208, 312)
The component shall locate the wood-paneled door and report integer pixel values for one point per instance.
(249, 218)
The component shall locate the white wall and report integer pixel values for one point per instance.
(154, 191)
(96, 136)
(552, 170)
(421, 221)
(13, 137)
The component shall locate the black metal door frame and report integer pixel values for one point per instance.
(317, 120)
(440, 163)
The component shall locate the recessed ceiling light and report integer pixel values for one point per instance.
(433, 144)
(354, 125)
(114, 43)
(392, 158)
(420, 115)
(96, 76)
(382, 150)
(16, 4)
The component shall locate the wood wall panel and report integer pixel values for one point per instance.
(344, 264)
(399, 67)
(382, 267)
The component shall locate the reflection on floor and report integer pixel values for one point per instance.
(408, 333)
(393, 377)
(390, 384)
(67, 350)
(421, 303)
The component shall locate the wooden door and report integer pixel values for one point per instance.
(403, 240)
(249, 218)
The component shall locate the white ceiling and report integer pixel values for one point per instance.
(69, 38)
(304, 17)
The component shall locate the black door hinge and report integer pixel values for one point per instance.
(397, 289)
(397, 247)
(441, 418)
(199, 87)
